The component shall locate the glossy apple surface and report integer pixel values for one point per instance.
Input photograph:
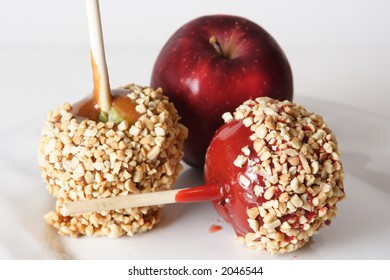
(213, 64)
(220, 170)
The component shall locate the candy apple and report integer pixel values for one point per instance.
(210, 66)
(278, 166)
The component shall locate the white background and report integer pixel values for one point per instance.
(339, 52)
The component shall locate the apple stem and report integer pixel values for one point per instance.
(217, 46)
(101, 91)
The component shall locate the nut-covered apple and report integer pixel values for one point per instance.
(279, 169)
(210, 66)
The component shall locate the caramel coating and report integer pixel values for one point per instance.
(84, 159)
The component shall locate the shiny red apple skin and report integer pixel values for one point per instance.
(203, 83)
(220, 171)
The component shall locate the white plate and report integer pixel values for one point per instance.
(361, 229)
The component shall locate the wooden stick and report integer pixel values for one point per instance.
(195, 194)
(121, 202)
(101, 91)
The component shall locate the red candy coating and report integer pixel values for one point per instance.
(279, 170)
(199, 194)
(220, 170)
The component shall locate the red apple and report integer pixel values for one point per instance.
(213, 64)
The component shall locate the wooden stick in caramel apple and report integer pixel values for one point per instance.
(112, 143)
(101, 91)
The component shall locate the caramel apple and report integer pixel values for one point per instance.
(82, 159)
(113, 143)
